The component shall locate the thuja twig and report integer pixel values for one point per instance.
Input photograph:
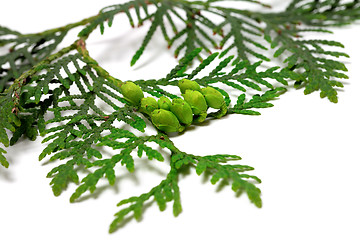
(81, 48)
(70, 83)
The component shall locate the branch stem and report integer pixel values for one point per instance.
(63, 28)
(81, 48)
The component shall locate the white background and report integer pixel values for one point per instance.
(305, 150)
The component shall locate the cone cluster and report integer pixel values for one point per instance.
(176, 115)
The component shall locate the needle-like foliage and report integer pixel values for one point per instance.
(79, 109)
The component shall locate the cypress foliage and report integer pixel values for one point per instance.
(37, 78)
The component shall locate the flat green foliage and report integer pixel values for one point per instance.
(78, 138)
(319, 66)
(243, 30)
(257, 101)
(24, 51)
(105, 167)
(166, 191)
(81, 131)
(78, 108)
(214, 165)
(3, 160)
(8, 121)
(239, 29)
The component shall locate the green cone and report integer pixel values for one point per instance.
(186, 84)
(182, 111)
(164, 103)
(196, 101)
(213, 97)
(148, 104)
(132, 92)
(166, 121)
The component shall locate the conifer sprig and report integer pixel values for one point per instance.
(78, 124)
(282, 31)
(321, 70)
(26, 50)
(326, 12)
(168, 189)
(78, 128)
(67, 97)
